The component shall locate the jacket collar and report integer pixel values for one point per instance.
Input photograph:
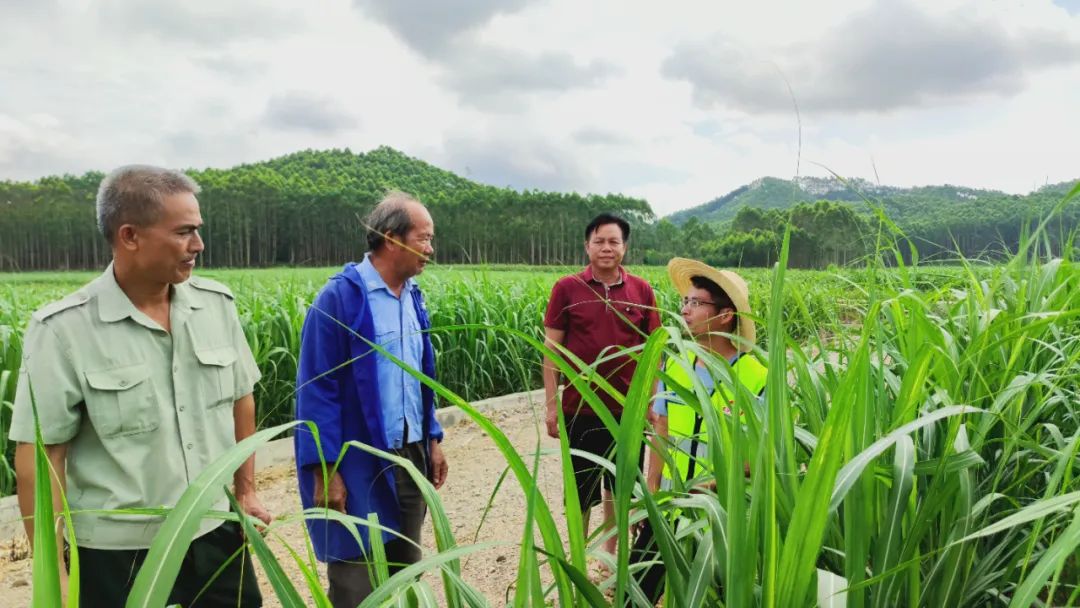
(364, 275)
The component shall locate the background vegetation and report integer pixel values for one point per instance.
(305, 209)
(924, 455)
(476, 362)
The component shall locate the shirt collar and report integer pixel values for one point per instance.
(373, 280)
(587, 275)
(114, 305)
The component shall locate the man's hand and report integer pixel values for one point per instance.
(704, 486)
(332, 497)
(439, 466)
(552, 421)
(251, 505)
(552, 338)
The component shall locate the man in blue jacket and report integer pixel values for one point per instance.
(352, 392)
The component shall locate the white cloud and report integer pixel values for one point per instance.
(890, 56)
(551, 93)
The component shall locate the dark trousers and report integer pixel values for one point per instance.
(106, 575)
(588, 433)
(650, 579)
(351, 581)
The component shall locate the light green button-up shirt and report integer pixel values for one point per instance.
(143, 411)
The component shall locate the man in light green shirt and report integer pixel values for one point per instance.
(141, 379)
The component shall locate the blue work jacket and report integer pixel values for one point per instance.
(344, 405)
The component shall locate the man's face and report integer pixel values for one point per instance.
(605, 247)
(419, 242)
(165, 251)
(702, 315)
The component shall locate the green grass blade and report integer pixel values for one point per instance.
(528, 591)
(155, 579)
(403, 579)
(890, 537)
(629, 439)
(46, 566)
(854, 467)
(279, 581)
(1063, 548)
(589, 594)
(444, 534)
(575, 530)
(311, 576)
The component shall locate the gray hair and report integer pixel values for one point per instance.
(133, 194)
(390, 215)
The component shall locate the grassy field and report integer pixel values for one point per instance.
(474, 361)
(924, 451)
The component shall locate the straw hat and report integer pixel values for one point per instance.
(681, 270)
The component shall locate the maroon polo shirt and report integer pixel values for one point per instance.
(597, 317)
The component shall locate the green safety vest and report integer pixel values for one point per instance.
(686, 427)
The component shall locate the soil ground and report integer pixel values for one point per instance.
(475, 468)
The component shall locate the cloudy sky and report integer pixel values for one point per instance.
(675, 102)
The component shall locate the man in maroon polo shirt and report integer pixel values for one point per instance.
(594, 313)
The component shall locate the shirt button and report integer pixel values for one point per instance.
(181, 408)
(123, 383)
(176, 369)
(190, 445)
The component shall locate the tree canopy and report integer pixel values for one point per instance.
(307, 208)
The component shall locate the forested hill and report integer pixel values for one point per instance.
(306, 208)
(833, 221)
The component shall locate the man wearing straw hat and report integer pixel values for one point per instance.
(716, 309)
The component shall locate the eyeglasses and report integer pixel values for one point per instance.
(694, 302)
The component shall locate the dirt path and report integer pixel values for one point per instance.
(475, 467)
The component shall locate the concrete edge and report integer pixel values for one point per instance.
(280, 451)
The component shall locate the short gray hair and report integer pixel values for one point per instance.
(133, 194)
(390, 215)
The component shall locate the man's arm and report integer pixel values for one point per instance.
(49, 383)
(656, 460)
(25, 480)
(244, 477)
(439, 466)
(323, 348)
(552, 337)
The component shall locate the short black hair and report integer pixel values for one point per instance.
(135, 194)
(719, 297)
(603, 220)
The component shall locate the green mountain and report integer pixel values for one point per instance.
(942, 221)
(775, 193)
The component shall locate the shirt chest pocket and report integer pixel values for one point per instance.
(405, 343)
(216, 375)
(121, 401)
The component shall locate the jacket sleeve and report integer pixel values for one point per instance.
(323, 347)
